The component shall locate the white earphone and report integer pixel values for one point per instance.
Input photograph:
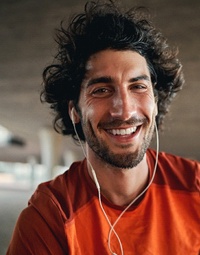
(72, 116)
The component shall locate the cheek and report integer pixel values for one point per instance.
(90, 112)
(149, 107)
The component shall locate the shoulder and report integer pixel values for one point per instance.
(55, 195)
(65, 194)
(178, 172)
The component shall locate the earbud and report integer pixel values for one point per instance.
(72, 116)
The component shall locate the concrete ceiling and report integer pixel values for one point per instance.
(27, 46)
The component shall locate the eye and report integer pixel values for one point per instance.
(102, 92)
(138, 88)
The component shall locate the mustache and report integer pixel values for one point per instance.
(133, 121)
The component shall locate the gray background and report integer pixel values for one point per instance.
(26, 47)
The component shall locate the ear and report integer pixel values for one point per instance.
(73, 113)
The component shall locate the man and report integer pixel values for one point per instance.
(112, 80)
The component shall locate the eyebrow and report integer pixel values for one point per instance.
(109, 79)
(103, 79)
(140, 77)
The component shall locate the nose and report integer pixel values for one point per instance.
(123, 105)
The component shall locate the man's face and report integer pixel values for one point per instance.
(117, 107)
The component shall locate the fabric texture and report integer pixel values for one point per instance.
(64, 217)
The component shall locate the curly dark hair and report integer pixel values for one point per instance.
(105, 26)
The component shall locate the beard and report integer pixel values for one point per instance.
(124, 160)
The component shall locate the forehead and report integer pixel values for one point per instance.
(113, 61)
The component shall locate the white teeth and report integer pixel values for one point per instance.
(126, 131)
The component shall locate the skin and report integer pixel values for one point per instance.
(117, 112)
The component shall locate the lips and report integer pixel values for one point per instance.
(122, 131)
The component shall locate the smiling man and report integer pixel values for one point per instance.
(118, 107)
(111, 85)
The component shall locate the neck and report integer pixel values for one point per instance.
(119, 186)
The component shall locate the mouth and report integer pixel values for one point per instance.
(122, 131)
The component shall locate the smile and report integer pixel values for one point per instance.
(125, 131)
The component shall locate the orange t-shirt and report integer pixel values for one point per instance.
(64, 216)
